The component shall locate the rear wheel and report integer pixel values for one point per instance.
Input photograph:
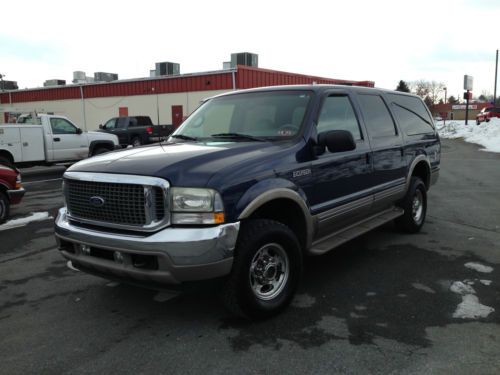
(4, 207)
(266, 270)
(415, 207)
(100, 150)
(136, 142)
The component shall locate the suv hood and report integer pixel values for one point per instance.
(183, 164)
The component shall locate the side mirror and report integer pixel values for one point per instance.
(79, 131)
(337, 140)
(100, 126)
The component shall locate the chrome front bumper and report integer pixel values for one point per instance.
(179, 254)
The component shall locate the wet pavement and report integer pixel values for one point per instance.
(384, 303)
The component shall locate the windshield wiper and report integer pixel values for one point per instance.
(237, 136)
(184, 137)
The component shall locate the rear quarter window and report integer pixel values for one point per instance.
(411, 114)
(143, 121)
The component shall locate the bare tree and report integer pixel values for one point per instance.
(430, 91)
(435, 90)
(420, 88)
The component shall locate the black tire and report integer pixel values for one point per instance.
(6, 161)
(136, 142)
(4, 207)
(271, 250)
(415, 207)
(100, 150)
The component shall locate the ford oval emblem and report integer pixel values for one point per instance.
(96, 201)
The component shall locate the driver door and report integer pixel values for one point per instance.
(67, 142)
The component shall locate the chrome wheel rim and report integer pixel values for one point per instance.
(417, 207)
(136, 143)
(269, 271)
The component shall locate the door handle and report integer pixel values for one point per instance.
(57, 139)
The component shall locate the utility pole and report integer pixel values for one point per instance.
(3, 75)
(495, 92)
(445, 103)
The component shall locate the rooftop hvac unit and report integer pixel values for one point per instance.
(79, 76)
(167, 68)
(105, 77)
(244, 58)
(54, 82)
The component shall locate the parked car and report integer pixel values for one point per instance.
(486, 114)
(252, 182)
(49, 139)
(136, 130)
(11, 190)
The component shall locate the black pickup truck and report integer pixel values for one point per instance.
(136, 130)
(251, 183)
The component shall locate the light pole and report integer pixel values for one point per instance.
(445, 103)
(3, 75)
(495, 92)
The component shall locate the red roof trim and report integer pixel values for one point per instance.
(246, 77)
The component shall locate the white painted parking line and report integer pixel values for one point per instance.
(16, 223)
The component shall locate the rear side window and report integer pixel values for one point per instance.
(337, 114)
(122, 122)
(411, 114)
(378, 120)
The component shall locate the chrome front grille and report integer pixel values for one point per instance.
(117, 201)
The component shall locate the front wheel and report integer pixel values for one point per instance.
(266, 270)
(415, 207)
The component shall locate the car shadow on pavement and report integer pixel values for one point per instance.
(359, 294)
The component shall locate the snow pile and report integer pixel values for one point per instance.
(478, 267)
(37, 216)
(462, 288)
(487, 134)
(470, 307)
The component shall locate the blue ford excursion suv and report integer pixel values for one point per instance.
(251, 183)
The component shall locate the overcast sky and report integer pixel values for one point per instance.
(383, 41)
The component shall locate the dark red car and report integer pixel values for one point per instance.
(11, 191)
(486, 114)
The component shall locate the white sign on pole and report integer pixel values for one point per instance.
(468, 81)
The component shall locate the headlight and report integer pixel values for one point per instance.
(196, 206)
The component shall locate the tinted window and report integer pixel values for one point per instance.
(132, 122)
(143, 121)
(378, 120)
(411, 114)
(337, 114)
(61, 126)
(122, 122)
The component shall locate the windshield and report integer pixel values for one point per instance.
(273, 115)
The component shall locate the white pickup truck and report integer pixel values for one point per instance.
(46, 139)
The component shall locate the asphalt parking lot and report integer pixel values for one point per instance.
(384, 303)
